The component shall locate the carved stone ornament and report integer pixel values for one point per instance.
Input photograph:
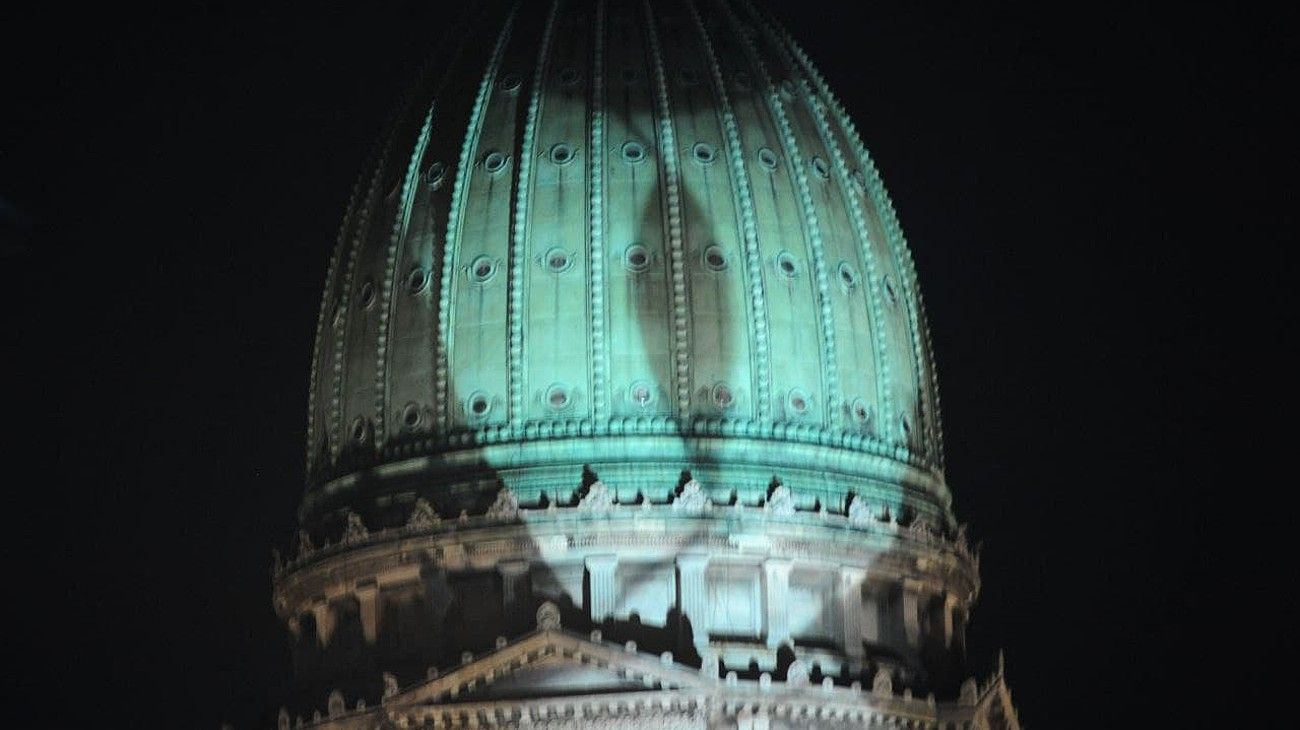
(335, 705)
(968, 696)
(882, 685)
(922, 531)
(355, 531)
(506, 507)
(548, 617)
(305, 546)
(282, 720)
(390, 685)
(423, 516)
(860, 512)
(692, 498)
(961, 544)
(599, 499)
(797, 674)
(781, 501)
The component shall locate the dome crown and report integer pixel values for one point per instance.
(628, 238)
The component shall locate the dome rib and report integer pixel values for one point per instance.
(923, 354)
(812, 231)
(668, 156)
(761, 357)
(596, 209)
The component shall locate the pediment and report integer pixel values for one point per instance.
(551, 663)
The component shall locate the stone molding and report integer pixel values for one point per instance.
(676, 695)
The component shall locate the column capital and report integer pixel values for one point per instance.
(853, 573)
(774, 566)
(513, 568)
(607, 561)
(693, 561)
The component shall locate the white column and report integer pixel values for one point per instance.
(851, 579)
(324, 614)
(601, 569)
(776, 580)
(694, 598)
(911, 615)
(368, 607)
(949, 605)
(871, 615)
(514, 586)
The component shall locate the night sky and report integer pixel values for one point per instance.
(171, 184)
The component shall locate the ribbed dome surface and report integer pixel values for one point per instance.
(643, 236)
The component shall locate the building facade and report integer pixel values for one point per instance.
(623, 409)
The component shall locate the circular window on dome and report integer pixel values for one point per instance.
(569, 76)
(860, 412)
(360, 429)
(510, 82)
(636, 258)
(704, 153)
(630, 76)
(478, 405)
(848, 276)
(798, 402)
(767, 159)
(820, 169)
(482, 269)
(434, 175)
(411, 416)
(494, 162)
(786, 264)
(417, 280)
(641, 393)
(633, 152)
(715, 259)
(367, 296)
(890, 292)
(722, 396)
(742, 80)
(562, 154)
(558, 397)
(557, 261)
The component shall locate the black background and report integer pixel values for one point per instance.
(1079, 186)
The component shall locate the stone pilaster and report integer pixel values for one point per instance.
(949, 606)
(871, 616)
(851, 579)
(367, 595)
(911, 614)
(514, 588)
(601, 571)
(694, 594)
(776, 582)
(325, 619)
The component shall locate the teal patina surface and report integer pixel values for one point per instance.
(623, 404)
(664, 248)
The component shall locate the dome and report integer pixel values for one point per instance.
(621, 333)
(671, 251)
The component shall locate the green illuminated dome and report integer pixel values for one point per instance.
(622, 386)
(668, 251)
